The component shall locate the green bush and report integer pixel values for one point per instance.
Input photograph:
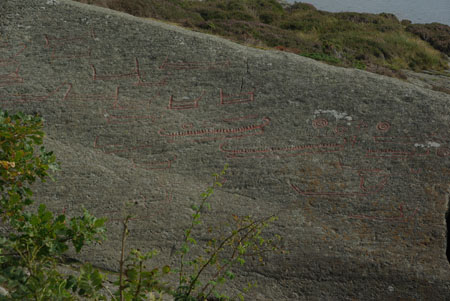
(31, 252)
(32, 248)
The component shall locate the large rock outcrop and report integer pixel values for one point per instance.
(356, 165)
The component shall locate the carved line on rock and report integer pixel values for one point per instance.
(124, 119)
(11, 60)
(134, 73)
(117, 105)
(394, 154)
(393, 139)
(319, 123)
(364, 190)
(443, 152)
(27, 98)
(184, 104)
(244, 97)
(12, 78)
(155, 165)
(383, 126)
(299, 150)
(224, 132)
(193, 65)
(401, 218)
(121, 148)
(141, 83)
(53, 43)
(64, 40)
(233, 119)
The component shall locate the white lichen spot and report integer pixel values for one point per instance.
(336, 114)
(52, 2)
(429, 144)
(433, 144)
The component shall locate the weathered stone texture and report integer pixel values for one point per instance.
(356, 165)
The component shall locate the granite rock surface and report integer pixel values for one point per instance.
(356, 165)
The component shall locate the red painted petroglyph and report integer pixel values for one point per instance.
(222, 133)
(137, 104)
(299, 150)
(123, 119)
(415, 171)
(77, 55)
(141, 83)
(26, 98)
(166, 65)
(236, 98)
(161, 83)
(91, 97)
(394, 139)
(362, 125)
(12, 78)
(135, 73)
(440, 138)
(10, 59)
(383, 126)
(319, 123)
(402, 218)
(443, 152)
(62, 48)
(117, 148)
(51, 41)
(234, 119)
(364, 174)
(364, 188)
(394, 154)
(184, 104)
(341, 130)
(155, 165)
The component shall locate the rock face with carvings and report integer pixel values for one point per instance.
(356, 165)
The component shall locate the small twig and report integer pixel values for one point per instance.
(222, 244)
(138, 288)
(232, 257)
(109, 292)
(122, 255)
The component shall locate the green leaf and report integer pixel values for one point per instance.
(19, 155)
(241, 261)
(166, 269)
(27, 191)
(184, 248)
(230, 275)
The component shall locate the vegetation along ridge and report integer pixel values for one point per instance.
(377, 43)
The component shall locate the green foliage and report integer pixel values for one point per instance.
(31, 252)
(359, 65)
(139, 281)
(33, 246)
(202, 274)
(19, 163)
(321, 57)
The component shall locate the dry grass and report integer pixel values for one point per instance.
(378, 43)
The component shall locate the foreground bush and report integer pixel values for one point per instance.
(32, 249)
